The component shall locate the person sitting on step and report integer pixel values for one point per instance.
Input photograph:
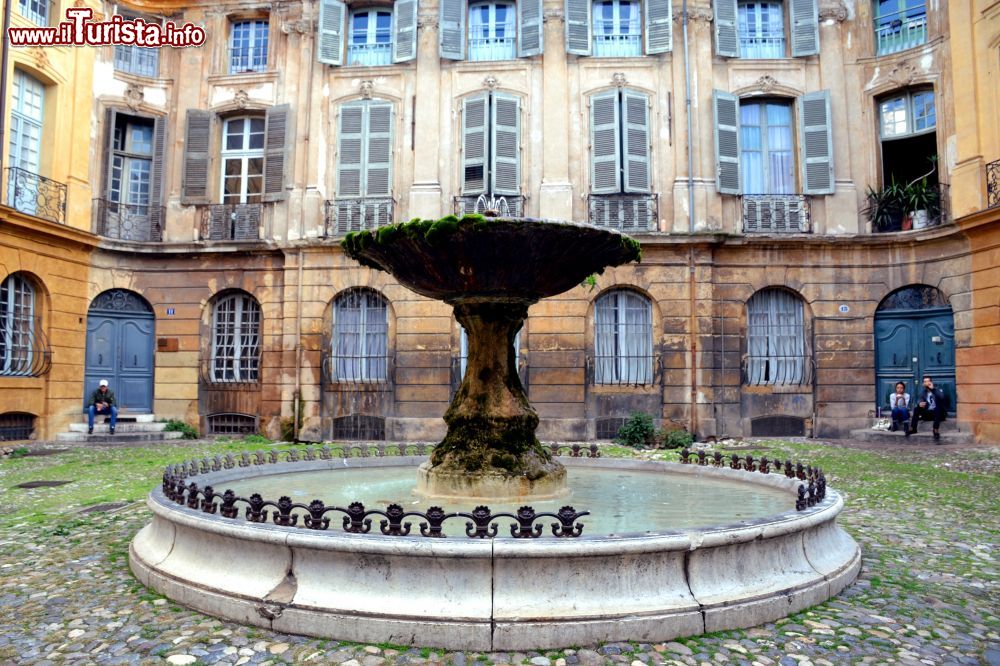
(931, 406)
(102, 401)
(899, 402)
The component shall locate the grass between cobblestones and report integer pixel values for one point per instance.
(926, 519)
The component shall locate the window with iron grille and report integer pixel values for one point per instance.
(248, 46)
(243, 160)
(360, 337)
(136, 59)
(15, 426)
(17, 325)
(231, 424)
(776, 339)
(361, 427)
(236, 339)
(607, 428)
(623, 339)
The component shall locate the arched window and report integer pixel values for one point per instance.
(360, 337)
(17, 325)
(492, 31)
(776, 341)
(243, 160)
(236, 321)
(623, 338)
(370, 39)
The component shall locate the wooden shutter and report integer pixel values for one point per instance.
(726, 42)
(505, 145)
(659, 26)
(331, 32)
(816, 139)
(404, 43)
(156, 171)
(194, 188)
(350, 163)
(277, 151)
(578, 26)
(452, 29)
(529, 28)
(804, 19)
(727, 142)
(635, 106)
(605, 171)
(474, 119)
(378, 150)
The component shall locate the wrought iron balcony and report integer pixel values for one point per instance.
(36, 195)
(993, 184)
(128, 222)
(775, 214)
(343, 216)
(24, 349)
(898, 31)
(503, 206)
(625, 212)
(231, 222)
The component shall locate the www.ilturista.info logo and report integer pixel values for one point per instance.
(79, 30)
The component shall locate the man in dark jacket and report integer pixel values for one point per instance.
(102, 401)
(930, 406)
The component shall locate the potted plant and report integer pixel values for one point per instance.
(923, 203)
(886, 207)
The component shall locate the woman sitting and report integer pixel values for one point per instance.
(899, 402)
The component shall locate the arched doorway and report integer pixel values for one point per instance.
(120, 326)
(915, 336)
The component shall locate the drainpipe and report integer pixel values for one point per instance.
(3, 78)
(687, 108)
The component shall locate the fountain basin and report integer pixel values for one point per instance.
(497, 594)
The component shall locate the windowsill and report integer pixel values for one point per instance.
(391, 67)
(140, 79)
(494, 65)
(905, 53)
(267, 76)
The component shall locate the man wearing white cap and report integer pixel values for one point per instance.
(102, 401)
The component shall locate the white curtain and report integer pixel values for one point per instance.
(623, 339)
(766, 157)
(360, 337)
(775, 339)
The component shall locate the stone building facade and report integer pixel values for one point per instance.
(737, 141)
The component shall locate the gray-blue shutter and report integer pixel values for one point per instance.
(605, 161)
(804, 19)
(378, 150)
(727, 42)
(529, 28)
(278, 140)
(474, 127)
(505, 146)
(404, 42)
(659, 26)
(350, 153)
(451, 29)
(194, 183)
(331, 32)
(635, 107)
(578, 26)
(727, 142)
(816, 139)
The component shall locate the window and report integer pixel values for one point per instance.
(899, 25)
(131, 161)
(136, 59)
(370, 39)
(619, 139)
(491, 145)
(907, 123)
(26, 118)
(910, 113)
(36, 11)
(248, 47)
(623, 339)
(776, 348)
(360, 337)
(376, 36)
(761, 30)
(463, 350)
(17, 325)
(236, 339)
(364, 167)
(492, 31)
(243, 160)
(618, 28)
(766, 157)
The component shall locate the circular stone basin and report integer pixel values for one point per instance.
(718, 569)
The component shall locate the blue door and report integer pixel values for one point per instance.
(120, 349)
(910, 344)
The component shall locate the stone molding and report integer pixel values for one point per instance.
(833, 11)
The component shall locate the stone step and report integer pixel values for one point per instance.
(923, 436)
(100, 426)
(120, 437)
(123, 417)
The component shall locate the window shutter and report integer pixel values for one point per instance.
(194, 189)
(636, 157)
(605, 173)
(452, 29)
(156, 179)
(659, 26)
(404, 43)
(474, 145)
(804, 19)
(726, 42)
(331, 32)
(110, 118)
(529, 28)
(816, 138)
(277, 151)
(378, 153)
(349, 153)
(727, 142)
(505, 145)
(578, 27)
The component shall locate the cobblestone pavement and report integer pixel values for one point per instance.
(927, 522)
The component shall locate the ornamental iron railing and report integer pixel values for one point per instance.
(993, 184)
(374, 370)
(900, 30)
(36, 195)
(625, 212)
(231, 222)
(775, 214)
(130, 222)
(24, 348)
(342, 216)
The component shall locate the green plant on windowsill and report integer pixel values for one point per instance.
(886, 207)
(923, 203)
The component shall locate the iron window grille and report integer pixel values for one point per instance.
(24, 349)
(775, 214)
(623, 340)
(231, 424)
(359, 350)
(343, 216)
(16, 425)
(235, 356)
(635, 213)
(231, 222)
(776, 345)
(359, 427)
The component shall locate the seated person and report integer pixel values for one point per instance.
(102, 401)
(899, 403)
(931, 406)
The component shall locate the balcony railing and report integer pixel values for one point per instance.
(36, 195)
(231, 222)
(775, 214)
(900, 30)
(616, 45)
(993, 184)
(491, 48)
(379, 53)
(24, 349)
(505, 206)
(763, 47)
(625, 212)
(129, 222)
(345, 215)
